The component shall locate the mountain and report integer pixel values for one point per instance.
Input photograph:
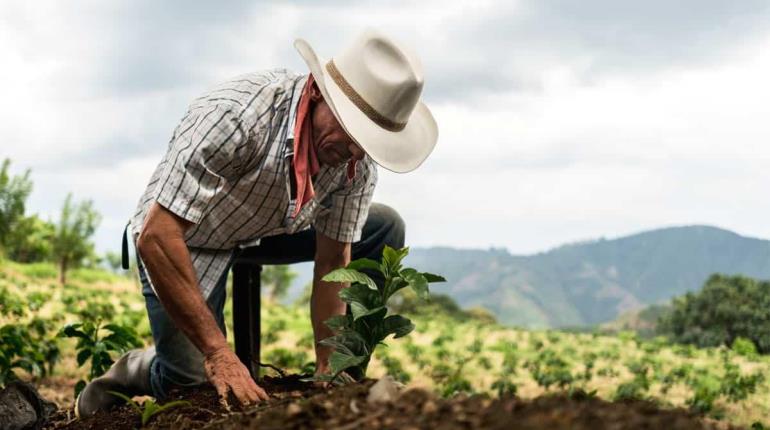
(592, 282)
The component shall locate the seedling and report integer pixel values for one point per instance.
(94, 345)
(149, 408)
(368, 324)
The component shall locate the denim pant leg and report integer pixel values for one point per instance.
(177, 361)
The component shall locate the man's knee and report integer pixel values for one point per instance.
(389, 225)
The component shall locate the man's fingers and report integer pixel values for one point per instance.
(251, 394)
(240, 393)
(222, 391)
(262, 393)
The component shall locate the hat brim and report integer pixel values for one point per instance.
(399, 151)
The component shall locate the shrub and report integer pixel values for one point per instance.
(728, 307)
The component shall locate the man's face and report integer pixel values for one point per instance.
(333, 145)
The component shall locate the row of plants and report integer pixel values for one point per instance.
(449, 355)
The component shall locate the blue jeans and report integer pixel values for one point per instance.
(179, 363)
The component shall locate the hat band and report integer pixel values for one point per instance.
(359, 101)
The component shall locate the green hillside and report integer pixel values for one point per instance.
(593, 282)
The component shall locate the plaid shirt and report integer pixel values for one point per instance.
(227, 171)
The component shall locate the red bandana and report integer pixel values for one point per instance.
(306, 163)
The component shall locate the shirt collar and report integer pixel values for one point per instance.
(296, 92)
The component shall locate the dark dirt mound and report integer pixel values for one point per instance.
(296, 405)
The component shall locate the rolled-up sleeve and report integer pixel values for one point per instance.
(345, 219)
(201, 158)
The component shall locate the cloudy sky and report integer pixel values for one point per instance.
(559, 120)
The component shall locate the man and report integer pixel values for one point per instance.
(267, 156)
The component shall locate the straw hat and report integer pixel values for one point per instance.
(373, 88)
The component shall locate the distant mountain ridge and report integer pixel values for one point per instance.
(589, 282)
(592, 282)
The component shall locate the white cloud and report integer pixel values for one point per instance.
(546, 136)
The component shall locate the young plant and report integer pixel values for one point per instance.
(504, 387)
(368, 323)
(94, 345)
(149, 408)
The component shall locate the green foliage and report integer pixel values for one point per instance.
(93, 344)
(744, 347)
(71, 243)
(30, 240)
(368, 323)
(638, 386)
(276, 280)
(27, 347)
(449, 379)
(395, 369)
(728, 307)
(504, 387)
(11, 305)
(286, 359)
(14, 191)
(706, 389)
(149, 408)
(26, 344)
(92, 275)
(735, 385)
(548, 369)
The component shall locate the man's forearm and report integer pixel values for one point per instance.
(169, 266)
(324, 303)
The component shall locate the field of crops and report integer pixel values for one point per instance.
(443, 354)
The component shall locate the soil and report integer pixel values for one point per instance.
(298, 405)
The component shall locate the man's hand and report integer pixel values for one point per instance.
(227, 373)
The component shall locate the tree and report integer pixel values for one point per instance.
(277, 280)
(13, 196)
(728, 307)
(30, 240)
(71, 243)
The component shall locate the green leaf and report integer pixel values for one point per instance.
(169, 405)
(338, 322)
(398, 325)
(79, 387)
(417, 281)
(347, 341)
(360, 311)
(391, 259)
(73, 330)
(83, 355)
(351, 276)
(150, 407)
(339, 361)
(128, 400)
(364, 263)
(433, 278)
(361, 294)
(337, 343)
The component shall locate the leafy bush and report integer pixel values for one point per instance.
(744, 347)
(735, 385)
(549, 369)
(395, 369)
(728, 307)
(504, 387)
(368, 324)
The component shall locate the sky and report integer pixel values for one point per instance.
(559, 120)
